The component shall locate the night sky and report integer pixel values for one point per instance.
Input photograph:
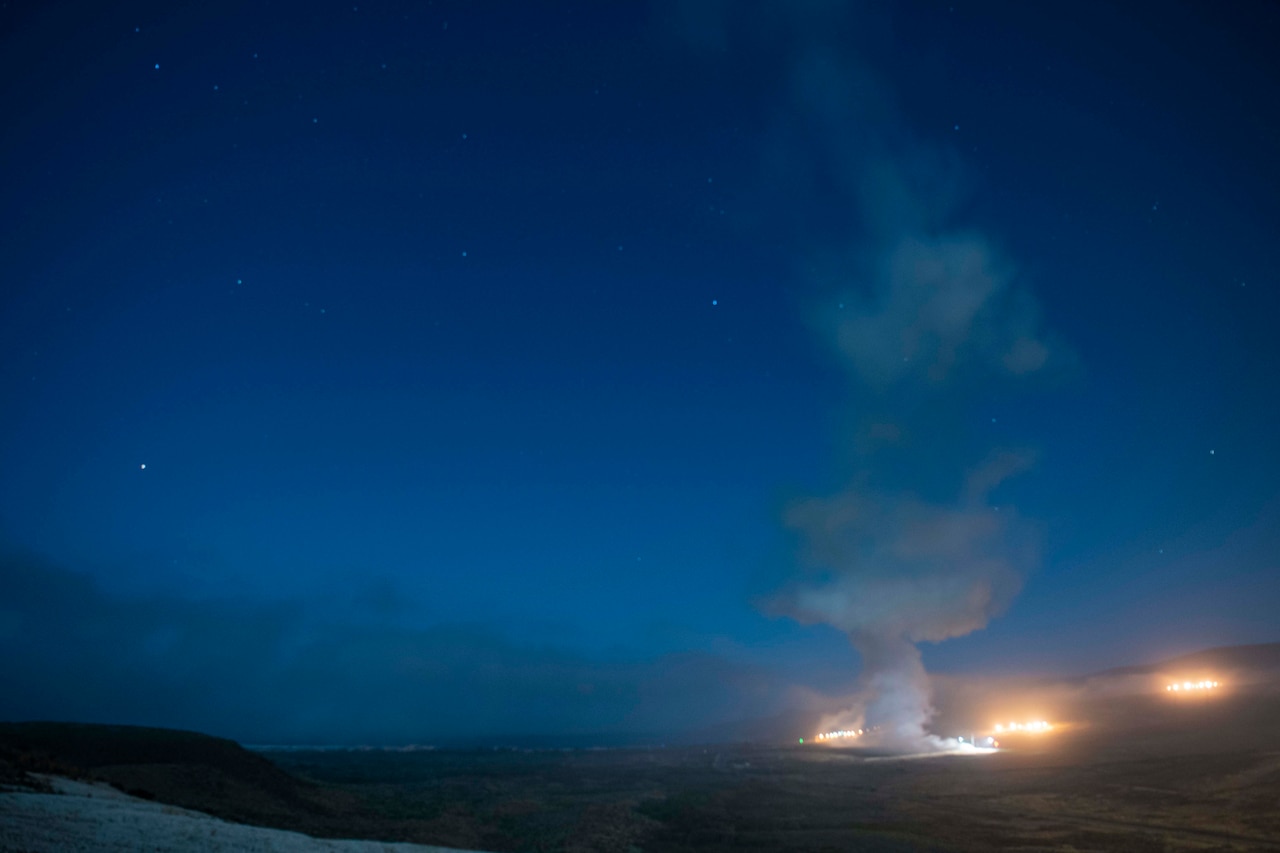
(386, 371)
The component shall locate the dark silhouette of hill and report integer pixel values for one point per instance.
(1261, 658)
(90, 746)
(187, 769)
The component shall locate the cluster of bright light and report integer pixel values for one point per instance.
(839, 733)
(1191, 685)
(1037, 726)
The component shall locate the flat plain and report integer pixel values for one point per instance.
(1086, 790)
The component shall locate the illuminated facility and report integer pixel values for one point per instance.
(1035, 726)
(839, 733)
(1192, 686)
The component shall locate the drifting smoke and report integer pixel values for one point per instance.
(892, 571)
(924, 315)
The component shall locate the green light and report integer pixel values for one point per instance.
(802, 740)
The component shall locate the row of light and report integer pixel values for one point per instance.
(1192, 685)
(839, 733)
(1037, 726)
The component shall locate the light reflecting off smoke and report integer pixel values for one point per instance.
(964, 747)
(933, 746)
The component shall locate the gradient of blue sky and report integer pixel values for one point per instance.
(504, 323)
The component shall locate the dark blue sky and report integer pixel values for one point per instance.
(377, 369)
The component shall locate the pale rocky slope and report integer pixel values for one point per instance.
(95, 817)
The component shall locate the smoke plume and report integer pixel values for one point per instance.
(891, 571)
(927, 316)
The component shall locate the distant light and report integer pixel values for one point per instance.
(157, 66)
(802, 740)
(143, 466)
(1033, 726)
(1188, 686)
(715, 301)
(838, 733)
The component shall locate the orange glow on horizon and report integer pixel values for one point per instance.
(839, 733)
(1192, 686)
(1036, 726)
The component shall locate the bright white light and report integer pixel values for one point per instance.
(1207, 684)
(1033, 726)
(839, 733)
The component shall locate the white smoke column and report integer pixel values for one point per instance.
(925, 316)
(893, 571)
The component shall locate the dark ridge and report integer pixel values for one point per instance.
(90, 746)
(181, 768)
(1262, 657)
(1259, 658)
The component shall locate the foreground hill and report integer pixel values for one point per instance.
(85, 817)
(186, 769)
(205, 774)
(189, 770)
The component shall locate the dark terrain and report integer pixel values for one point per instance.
(1132, 772)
